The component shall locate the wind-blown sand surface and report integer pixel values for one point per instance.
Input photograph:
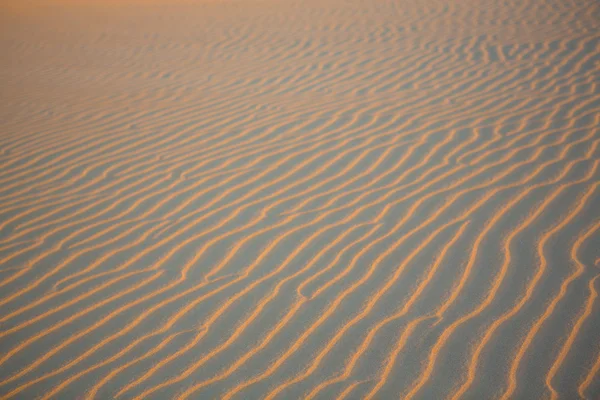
(259, 199)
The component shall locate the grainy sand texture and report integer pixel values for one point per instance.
(285, 199)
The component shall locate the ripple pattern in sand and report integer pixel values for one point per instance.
(281, 200)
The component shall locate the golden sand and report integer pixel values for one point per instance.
(267, 199)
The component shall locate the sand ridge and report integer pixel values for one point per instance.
(280, 199)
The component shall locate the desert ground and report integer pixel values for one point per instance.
(285, 199)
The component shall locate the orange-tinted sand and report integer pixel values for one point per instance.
(273, 199)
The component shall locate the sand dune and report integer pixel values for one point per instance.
(268, 199)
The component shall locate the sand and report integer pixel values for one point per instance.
(260, 199)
